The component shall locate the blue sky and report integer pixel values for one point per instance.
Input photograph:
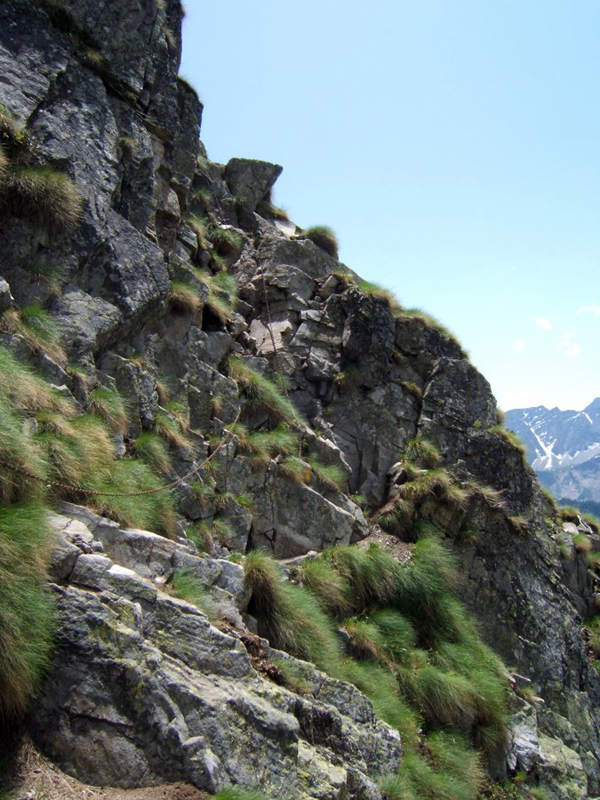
(453, 145)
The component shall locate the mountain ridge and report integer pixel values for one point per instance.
(193, 332)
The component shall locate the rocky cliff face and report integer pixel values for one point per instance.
(144, 688)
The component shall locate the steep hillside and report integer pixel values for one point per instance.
(266, 500)
(563, 447)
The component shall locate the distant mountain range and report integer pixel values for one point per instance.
(563, 447)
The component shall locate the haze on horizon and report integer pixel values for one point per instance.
(452, 146)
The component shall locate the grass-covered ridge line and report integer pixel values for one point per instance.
(412, 648)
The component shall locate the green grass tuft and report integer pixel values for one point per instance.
(151, 448)
(185, 585)
(184, 298)
(291, 618)
(26, 618)
(261, 394)
(379, 293)
(222, 293)
(110, 406)
(41, 196)
(39, 329)
(324, 238)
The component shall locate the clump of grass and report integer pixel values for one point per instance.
(26, 391)
(381, 687)
(266, 444)
(201, 535)
(262, 395)
(519, 524)
(187, 586)
(27, 620)
(198, 225)
(324, 238)
(39, 329)
(429, 321)
(331, 589)
(225, 239)
(413, 389)
(222, 293)
(293, 676)
(184, 298)
(583, 543)
(291, 618)
(180, 413)
(379, 293)
(413, 650)
(150, 512)
(270, 211)
(399, 635)
(204, 197)
(151, 448)
(423, 453)
(332, 475)
(169, 429)
(371, 574)
(15, 141)
(510, 437)
(297, 470)
(110, 406)
(41, 196)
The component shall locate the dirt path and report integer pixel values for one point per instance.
(36, 778)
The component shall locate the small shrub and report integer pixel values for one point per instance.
(324, 238)
(41, 196)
